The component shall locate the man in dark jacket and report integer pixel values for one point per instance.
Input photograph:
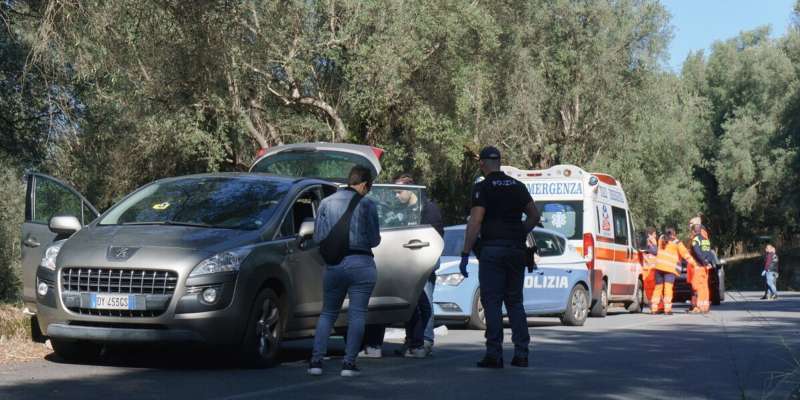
(415, 346)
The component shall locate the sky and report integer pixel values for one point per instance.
(697, 24)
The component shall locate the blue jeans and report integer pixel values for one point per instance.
(429, 286)
(501, 275)
(772, 277)
(355, 277)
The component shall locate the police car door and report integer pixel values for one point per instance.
(546, 287)
(406, 255)
(46, 197)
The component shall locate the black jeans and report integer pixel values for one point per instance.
(415, 327)
(501, 276)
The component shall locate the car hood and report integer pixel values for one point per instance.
(449, 264)
(150, 246)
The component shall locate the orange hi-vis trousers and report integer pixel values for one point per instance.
(663, 291)
(700, 288)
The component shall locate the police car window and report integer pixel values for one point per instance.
(565, 217)
(548, 245)
(398, 205)
(453, 242)
(620, 225)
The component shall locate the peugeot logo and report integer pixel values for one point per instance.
(120, 253)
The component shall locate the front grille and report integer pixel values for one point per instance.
(112, 280)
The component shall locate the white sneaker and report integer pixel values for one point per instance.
(370, 352)
(315, 368)
(416, 353)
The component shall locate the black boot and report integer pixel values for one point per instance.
(520, 362)
(490, 362)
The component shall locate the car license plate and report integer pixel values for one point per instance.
(112, 301)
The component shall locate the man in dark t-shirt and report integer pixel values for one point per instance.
(498, 203)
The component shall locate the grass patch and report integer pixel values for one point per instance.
(16, 344)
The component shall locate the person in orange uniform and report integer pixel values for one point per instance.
(648, 269)
(701, 250)
(670, 253)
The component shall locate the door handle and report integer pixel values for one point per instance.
(569, 271)
(416, 244)
(31, 242)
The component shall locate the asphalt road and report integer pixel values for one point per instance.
(746, 348)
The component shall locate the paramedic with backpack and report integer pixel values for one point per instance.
(355, 274)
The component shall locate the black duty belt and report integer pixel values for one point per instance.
(503, 243)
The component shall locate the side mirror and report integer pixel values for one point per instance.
(306, 229)
(64, 225)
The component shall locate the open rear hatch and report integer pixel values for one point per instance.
(329, 161)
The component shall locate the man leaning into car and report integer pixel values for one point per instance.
(498, 203)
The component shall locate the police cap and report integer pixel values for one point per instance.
(489, 153)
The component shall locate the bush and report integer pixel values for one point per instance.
(12, 209)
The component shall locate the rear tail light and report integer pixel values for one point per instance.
(588, 250)
(261, 151)
(378, 152)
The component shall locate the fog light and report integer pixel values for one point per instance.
(210, 295)
(42, 289)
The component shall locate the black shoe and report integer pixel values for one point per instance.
(490, 362)
(764, 297)
(315, 367)
(350, 370)
(520, 362)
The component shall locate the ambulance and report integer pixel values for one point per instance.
(592, 211)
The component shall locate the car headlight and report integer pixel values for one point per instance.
(50, 255)
(226, 261)
(450, 279)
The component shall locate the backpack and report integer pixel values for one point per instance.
(334, 247)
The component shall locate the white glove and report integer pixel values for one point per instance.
(763, 273)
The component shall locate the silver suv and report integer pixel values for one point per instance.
(222, 259)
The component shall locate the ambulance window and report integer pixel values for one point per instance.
(620, 225)
(565, 217)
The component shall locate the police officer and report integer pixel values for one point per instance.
(498, 203)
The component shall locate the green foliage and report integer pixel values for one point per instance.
(12, 208)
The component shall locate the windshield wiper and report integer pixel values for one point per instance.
(174, 223)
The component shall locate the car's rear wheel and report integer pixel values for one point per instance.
(600, 307)
(477, 319)
(638, 302)
(577, 307)
(76, 351)
(264, 330)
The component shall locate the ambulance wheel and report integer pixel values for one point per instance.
(638, 302)
(600, 307)
(477, 319)
(577, 307)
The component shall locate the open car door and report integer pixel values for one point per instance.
(406, 256)
(46, 197)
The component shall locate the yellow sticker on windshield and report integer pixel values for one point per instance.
(161, 206)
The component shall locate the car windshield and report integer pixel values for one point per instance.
(453, 242)
(548, 245)
(213, 202)
(328, 165)
(565, 217)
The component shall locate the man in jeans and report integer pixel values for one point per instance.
(354, 276)
(419, 342)
(770, 272)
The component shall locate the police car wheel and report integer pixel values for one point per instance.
(600, 307)
(577, 307)
(477, 319)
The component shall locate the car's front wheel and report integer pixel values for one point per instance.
(477, 319)
(76, 351)
(262, 338)
(577, 307)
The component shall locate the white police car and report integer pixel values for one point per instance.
(558, 287)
